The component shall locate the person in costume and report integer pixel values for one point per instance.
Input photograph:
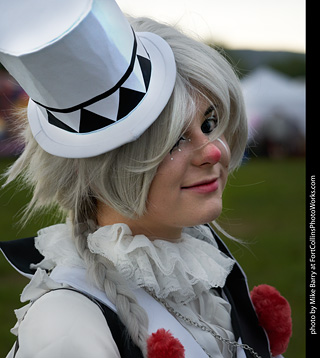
(131, 131)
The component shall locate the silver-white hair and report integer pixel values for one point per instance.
(122, 178)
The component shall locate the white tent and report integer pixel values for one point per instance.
(269, 94)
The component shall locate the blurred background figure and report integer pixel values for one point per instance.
(275, 105)
(11, 97)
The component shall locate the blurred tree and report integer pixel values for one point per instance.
(293, 66)
(290, 63)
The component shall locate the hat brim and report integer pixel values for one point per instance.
(66, 144)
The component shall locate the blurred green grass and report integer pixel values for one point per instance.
(264, 204)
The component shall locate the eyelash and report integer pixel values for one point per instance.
(177, 144)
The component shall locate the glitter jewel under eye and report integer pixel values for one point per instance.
(177, 144)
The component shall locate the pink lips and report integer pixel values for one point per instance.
(203, 187)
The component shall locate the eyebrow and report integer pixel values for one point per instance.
(210, 109)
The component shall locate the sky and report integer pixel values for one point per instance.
(239, 24)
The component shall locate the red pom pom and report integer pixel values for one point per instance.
(162, 344)
(274, 315)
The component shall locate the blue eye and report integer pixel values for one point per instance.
(177, 144)
(209, 125)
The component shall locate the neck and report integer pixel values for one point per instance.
(140, 226)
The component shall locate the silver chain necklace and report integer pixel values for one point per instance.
(231, 344)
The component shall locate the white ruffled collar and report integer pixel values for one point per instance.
(179, 270)
(55, 243)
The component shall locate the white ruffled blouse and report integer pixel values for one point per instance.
(184, 273)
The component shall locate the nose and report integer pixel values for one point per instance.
(207, 154)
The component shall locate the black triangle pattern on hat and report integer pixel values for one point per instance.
(145, 65)
(90, 121)
(56, 122)
(129, 99)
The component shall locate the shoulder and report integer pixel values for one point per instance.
(65, 323)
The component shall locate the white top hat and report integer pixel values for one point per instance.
(94, 84)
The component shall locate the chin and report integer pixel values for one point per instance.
(213, 211)
(207, 217)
